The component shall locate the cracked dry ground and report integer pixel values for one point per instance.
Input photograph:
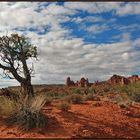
(87, 120)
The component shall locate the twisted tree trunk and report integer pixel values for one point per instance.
(27, 89)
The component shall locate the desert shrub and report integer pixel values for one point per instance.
(27, 114)
(37, 102)
(129, 102)
(27, 119)
(118, 98)
(121, 89)
(92, 90)
(106, 89)
(78, 91)
(122, 106)
(89, 97)
(130, 89)
(64, 106)
(58, 95)
(74, 98)
(136, 97)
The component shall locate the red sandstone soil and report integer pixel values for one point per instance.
(90, 120)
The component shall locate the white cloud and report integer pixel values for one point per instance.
(92, 19)
(129, 9)
(119, 8)
(54, 9)
(95, 29)
(125, 55)
(137, 43)
(92, 7)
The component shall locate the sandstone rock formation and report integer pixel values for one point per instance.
(83, 82)
(117, 79)
(96, 83)
(69, 82)
(133, 78)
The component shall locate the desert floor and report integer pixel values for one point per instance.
(92, 119)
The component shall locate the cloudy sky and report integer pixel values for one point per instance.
(76, 39)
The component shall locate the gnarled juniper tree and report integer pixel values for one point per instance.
(15, 51)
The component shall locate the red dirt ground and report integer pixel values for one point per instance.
(88, 120)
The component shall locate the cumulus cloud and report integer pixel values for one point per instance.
(61, 53)
(95, 29)
(92, 19)
(91, 7)
(119, 8)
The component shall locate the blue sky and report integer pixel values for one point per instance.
(90, 39)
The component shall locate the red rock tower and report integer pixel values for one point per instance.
(69, 83)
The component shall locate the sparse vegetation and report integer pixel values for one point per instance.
(29, 115)
(136, 97)
(75, 99)
(64, 106)
(90, 97)
(122, 106)
(7, 106)
(24, 114)
(78, 91)
(27, 119)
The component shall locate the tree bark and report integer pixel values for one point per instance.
(27, 89)
(26, 86)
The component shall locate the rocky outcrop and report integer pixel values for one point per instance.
(83, 82)
(69, 82)
(133, 78)
(117, 79)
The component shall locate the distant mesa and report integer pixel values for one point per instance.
(115, 79)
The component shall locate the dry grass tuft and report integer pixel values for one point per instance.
(25, 114)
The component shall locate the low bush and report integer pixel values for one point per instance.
(122, 106)
(78, 91)
(74, 98)
(64, 106)
(136, 97)
(26, 114)
(90, 97)
(27, 119)
(92, 90)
